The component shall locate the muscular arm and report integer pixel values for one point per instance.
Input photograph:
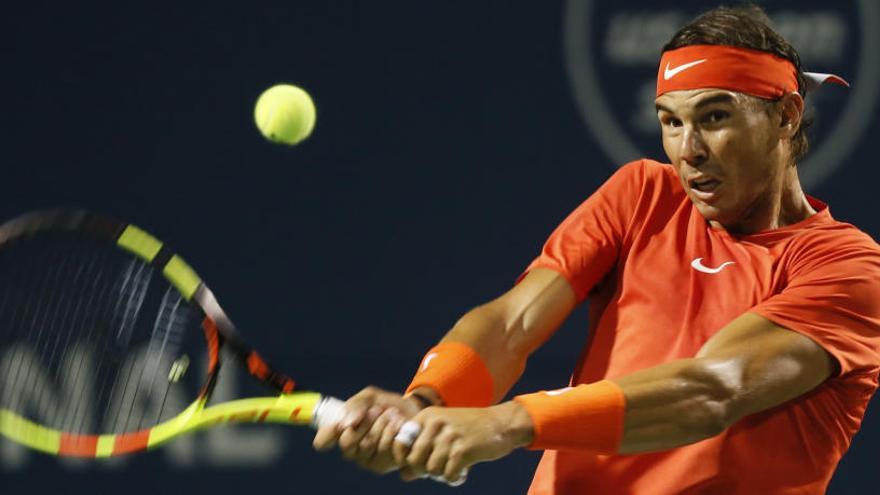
(506, 330)
(750, 365)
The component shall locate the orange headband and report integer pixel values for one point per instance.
(743, 70)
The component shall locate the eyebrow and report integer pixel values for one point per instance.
(719, 98)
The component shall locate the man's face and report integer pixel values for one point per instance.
(726, 149)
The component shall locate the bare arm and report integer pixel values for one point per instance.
(506, 330)
(750, 365)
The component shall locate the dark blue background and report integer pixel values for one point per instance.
(448, 145)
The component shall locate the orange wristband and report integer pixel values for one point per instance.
(457, 373)
(585, 417)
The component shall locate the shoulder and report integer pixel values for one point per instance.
(656, 186)
(648, 176)
(838, 245)
(647, 169)
(833, 236)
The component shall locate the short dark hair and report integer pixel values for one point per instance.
(746, 26)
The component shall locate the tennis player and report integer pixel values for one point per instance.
(734, 323)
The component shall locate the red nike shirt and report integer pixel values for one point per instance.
(662, 281)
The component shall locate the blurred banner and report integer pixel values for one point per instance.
(451, 138)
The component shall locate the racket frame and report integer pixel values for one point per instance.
(220, 333)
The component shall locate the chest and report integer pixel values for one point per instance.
(689, 278)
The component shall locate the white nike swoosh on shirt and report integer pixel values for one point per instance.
(698, 265)
(670, 73)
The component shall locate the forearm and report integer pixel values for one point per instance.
(656, 409)
(678, 403)
(506, 331)
(663, 412)
(485, 331)
(750, 366)
(486, 350)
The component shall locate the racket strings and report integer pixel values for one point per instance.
(134, 285)
(63, 350)
(164, 342)
(62, 405)
(98, 296)
(142, 400)
(88, 334)
(27, 373)
(82, 375)
(29, 379)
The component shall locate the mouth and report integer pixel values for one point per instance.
(705, 188)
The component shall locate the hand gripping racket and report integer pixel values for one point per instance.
(111, 344)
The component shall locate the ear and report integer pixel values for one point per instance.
(791, 108)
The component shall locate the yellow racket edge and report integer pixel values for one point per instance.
(298, 408)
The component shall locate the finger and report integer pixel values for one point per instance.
(423, 446)
(355, 413)
(462, 478)
(326, 437)
(327, 416)
(368, 444)
(358, 406)
(386, 440)
(348, 441)
(379, 463)
(436, 463)
(456, 469)
(404, 439)
(352, 436)
(409, 474)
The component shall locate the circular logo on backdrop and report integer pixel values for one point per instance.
(612, 50)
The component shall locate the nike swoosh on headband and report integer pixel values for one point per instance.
(745, 70)
(670, 73)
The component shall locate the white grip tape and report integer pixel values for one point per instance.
(328, 411)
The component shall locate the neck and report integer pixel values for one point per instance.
(783, 204)
(794, 206)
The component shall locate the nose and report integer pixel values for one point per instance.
(693, 149)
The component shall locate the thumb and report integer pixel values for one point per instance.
(409, 474)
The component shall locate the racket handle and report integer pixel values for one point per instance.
(331, 410)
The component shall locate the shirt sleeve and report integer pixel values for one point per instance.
(585, 246)
(833, 297)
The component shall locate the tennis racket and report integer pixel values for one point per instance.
(103, 332)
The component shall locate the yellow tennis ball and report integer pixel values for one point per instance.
(285, 114)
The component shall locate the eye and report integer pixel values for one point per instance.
(670, 121)
(716, 116)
